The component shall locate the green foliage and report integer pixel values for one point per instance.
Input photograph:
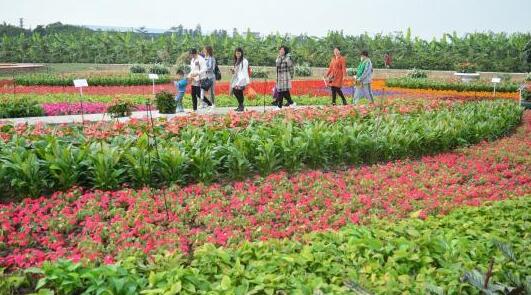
(497, 52)
(20, 107)
(67, 80)
(165, 102)
(202, 154)
(410, 256)
(104, 164)
(10, 284)
(66, 277)
(526, 95)
(303, 70)
(172, 166)
(120, 108)
(351, 71)
(415, 83)
(260, 73)
(137, 69)
(159, 69)
(516, 285)
(466, 67)
(417, 74)
(184, 67)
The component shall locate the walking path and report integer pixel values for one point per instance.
(106, 117)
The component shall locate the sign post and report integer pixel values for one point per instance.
(153, 77)
(495, 81)
(80, 83)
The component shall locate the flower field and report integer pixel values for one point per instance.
(299, 201)
(112, 226)
(209, 151)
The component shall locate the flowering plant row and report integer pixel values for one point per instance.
(199, 154)
(67, 80)
(417, 83)
(410, 256)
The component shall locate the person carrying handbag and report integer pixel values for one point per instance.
(285, 73)
(335, 74)
(198, 75)
(211, 65)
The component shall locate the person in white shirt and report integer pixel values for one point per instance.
(198, 72)
(240, 78)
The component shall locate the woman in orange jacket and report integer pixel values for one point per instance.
(335, 74)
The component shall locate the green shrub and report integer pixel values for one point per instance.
(260, 73)
(303, 70)
(20, 107)
(120, 108)
(166, 103)
(137, 69)
(183, 67)
(466, 67)
(417, 74)
(528, 77)
(159, 69)
(351, 71)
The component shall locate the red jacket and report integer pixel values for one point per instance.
(337, 71)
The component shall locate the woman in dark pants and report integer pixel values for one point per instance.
(335, 74)
(240, 78)
(198, 71)
(285, 73)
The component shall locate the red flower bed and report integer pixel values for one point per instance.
(300, 87)
(103, 225)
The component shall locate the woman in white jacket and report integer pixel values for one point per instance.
(198, 72)
(240, 78)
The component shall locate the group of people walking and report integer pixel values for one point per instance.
(204, 73)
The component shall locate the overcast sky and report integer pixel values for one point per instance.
(427, 18)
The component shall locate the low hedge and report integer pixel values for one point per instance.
(54, 80)
(420, 83)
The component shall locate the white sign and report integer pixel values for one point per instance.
(496, 80)
(80, 83)
(153, 76)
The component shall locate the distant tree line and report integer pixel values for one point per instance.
(58, 43)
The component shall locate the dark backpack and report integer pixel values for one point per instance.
(217, 72)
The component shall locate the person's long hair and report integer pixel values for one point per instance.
(237, 60)
(209, 50)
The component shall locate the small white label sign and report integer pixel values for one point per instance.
(153, 76)
(80, 83)
(496, 80)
